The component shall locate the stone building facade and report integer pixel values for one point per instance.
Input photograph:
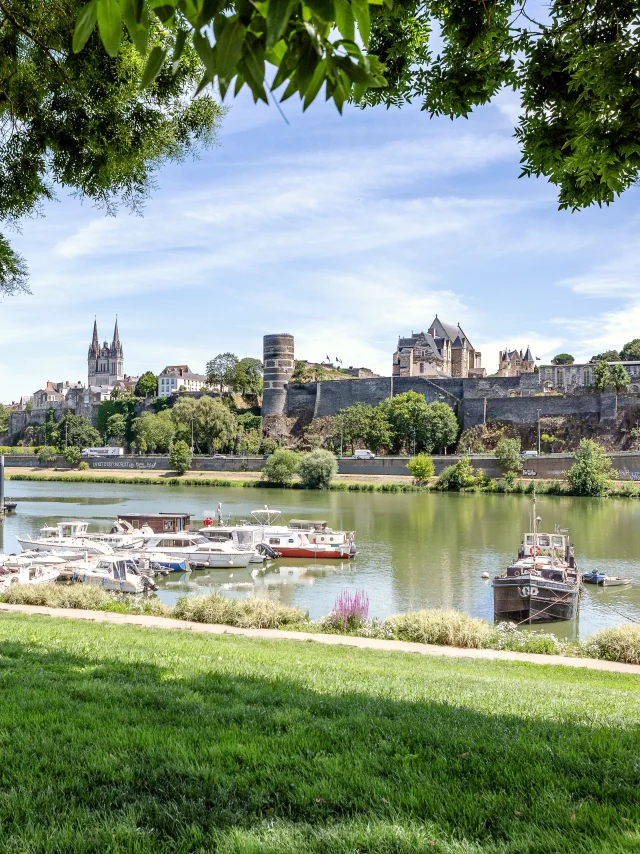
(512, 363)
(568, 379)
(443, 351)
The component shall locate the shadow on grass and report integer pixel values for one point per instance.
(124, 756)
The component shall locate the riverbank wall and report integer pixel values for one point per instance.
(544, 467)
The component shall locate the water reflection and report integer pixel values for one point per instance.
(414, 550)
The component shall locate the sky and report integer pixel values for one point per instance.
(344, 231)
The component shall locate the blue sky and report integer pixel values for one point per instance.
(344, 231)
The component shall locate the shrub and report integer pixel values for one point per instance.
(592, 473)
(252, 613)
(508, 636)
(317, 469)
(422, 468)
(619, 644)
(268, 445)
(350, 611)
(83, 466)
(180, 457)
(281, 466)
(71, 455)
(442, 627)
(457, 477)
(46, 455)
(508, 454)
(86, 596)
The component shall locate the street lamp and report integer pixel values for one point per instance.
(341, 431)
(192, 444)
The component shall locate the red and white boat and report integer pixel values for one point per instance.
(301, 538)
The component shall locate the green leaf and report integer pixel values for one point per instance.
(205, 52)
(345, 19)
(153, 67)
(361, 14)
(322, 8)
(316, 82)
(229, 48)
(110, 25)
(178, 48)
(277, 19)
(138, 27)
(85, 22)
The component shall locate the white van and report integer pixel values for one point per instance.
(363, 454)
(526, 454)
(102, 452)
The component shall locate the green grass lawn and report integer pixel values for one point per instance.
(118, 738)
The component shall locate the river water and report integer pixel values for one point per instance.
(414, 551)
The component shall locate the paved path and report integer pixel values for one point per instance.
(331, 640)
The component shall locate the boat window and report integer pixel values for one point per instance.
(529, 539)
(168, 525)
(543, 541)
(274, 541)
(199, 540)
(290, 540)
(557, 542)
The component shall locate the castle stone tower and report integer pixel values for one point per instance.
(105, 364)
(279, 362)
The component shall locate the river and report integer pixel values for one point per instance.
(414, 551)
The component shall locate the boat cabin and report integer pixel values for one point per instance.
(64, 529)
(548, 545)
(179, 540)
(308, 525)
(117, 567)
(160, 523)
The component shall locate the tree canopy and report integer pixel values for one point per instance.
(631, 351)
(81, 121)
(147, 385)
(574, 71)
(563, 359)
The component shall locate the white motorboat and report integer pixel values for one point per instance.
(114, 572)
(28, 573)
(66, 537)
(194, 548)
(243, 537)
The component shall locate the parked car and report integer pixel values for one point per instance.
(363, 454)
(219, 456)
(529, 454)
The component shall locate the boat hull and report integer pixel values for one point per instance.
(221, 560)
(308, 552)
(534, 600)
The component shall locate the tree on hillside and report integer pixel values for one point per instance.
(221, 370)
(619, 378)
(5, 412)
(116, 427)
(183, 415)
(407, 415)
(608, 356)
(147, 385)
(574, 71)
(246, 377)
(563, 359)
(154, 433)
(440, 427)
(351, 424)
(215, 424)
(631, 351)
(74, 430)
(508, 455)
(592, 472)
(601, 376)
(125, 406)
(80, 120)
(378, 432)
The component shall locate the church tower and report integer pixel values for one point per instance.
(105, 364)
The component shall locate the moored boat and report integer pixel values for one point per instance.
(114, 572)
(66, 537)
(543, 584)
(604, 580)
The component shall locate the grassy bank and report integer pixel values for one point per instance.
(131, 740)
(434, 626)
(343, 483)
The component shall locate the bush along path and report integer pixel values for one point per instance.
(431, 627)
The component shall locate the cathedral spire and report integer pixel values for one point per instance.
(95, 344)
(116, 346)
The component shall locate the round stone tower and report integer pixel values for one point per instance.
(279, 362)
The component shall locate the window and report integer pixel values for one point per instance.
(543, 541)
(422, 367)
(167, 525)
(529, 539)
(557, 542)
(274, 541)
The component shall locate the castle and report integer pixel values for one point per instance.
(512, 363)
(106, 363)
(443, 351)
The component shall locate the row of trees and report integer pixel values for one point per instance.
(629, 353)
(244, 376)
(405, 422)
